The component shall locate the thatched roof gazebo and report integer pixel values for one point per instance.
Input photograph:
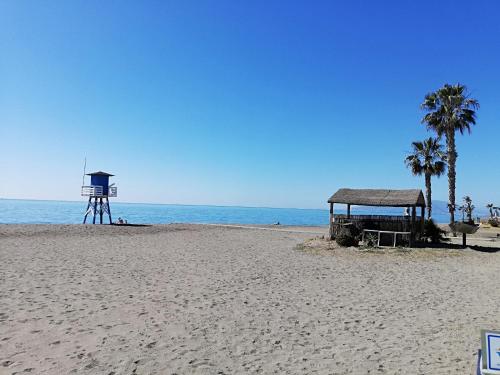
(411, 199)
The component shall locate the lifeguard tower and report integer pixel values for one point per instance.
(98, 190)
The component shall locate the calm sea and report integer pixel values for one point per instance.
(13, 211)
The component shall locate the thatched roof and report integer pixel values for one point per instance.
(379, 197)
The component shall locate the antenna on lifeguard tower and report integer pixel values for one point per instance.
(84, 168)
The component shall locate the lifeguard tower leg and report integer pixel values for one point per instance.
(95, 210)
(87, 210)
(109, 210)
(100, 211)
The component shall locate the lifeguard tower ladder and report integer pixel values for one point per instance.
(98, 190)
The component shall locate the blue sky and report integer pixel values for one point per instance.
(262, 103)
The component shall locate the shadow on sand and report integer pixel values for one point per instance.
(131, 225)
(485, 249)
(452, 246)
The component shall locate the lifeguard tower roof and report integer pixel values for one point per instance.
(100, 173)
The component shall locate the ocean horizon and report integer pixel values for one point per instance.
(24, 211)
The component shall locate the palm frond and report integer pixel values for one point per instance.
(450, 108)
(427, 157)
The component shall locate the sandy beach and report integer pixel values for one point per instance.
(199, 299)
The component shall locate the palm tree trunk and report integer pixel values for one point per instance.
(428, 193)
(452, 159)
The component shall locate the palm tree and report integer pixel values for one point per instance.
(490, 207)
(427, 158)
(467, 208)
(450, 109)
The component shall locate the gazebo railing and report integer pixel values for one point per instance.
(343, 217)
(375, 222)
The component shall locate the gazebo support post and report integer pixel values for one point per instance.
(348, 211)
(413, 219)
(422, 220)
(331, 221)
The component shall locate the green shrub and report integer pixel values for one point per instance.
(433, 233)
(371, 240)
(355, 231)
(345, 238)
(493, 221)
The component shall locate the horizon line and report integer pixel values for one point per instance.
(165, 204)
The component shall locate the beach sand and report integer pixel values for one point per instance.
(197, 299)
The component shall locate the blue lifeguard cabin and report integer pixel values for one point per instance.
(98, 192)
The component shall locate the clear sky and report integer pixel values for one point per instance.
(256, 103)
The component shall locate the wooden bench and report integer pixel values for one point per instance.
(395, 235)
